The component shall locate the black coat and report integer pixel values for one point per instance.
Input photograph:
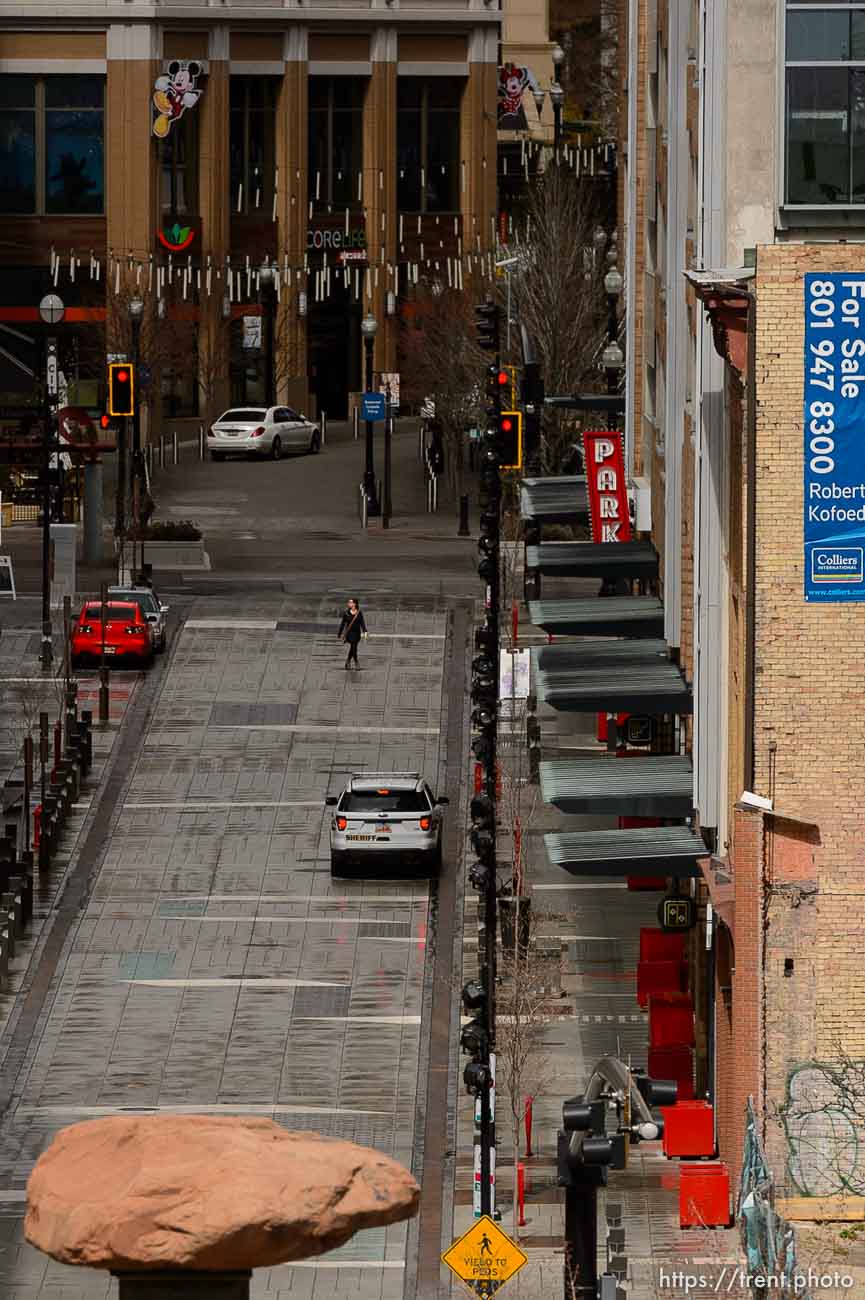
(353, 626)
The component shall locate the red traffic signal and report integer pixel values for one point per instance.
(121, 389)
(510, 431)
(502, 378)
(105, 421)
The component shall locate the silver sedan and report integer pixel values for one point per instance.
(262, 431)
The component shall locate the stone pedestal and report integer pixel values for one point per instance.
(183, 1284)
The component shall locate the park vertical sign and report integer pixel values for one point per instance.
(604, 459)
(834, 424)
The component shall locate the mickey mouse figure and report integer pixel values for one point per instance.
(173, 94)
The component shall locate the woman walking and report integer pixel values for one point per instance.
(351, 629)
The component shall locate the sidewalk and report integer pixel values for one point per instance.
(598, 923)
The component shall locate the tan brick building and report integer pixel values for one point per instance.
(742, 177)
(170, 151)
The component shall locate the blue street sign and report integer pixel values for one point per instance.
(834, 450)
(372, 406)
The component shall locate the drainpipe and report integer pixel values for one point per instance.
(751, 546)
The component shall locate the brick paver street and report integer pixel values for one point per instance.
(216, 967)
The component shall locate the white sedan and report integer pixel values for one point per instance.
(262, 431)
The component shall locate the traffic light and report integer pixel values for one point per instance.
(121, 388)
(487, 324)
(510, 430)
(105, 421)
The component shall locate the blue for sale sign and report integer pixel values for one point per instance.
(834, 437)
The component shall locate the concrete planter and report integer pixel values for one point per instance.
(175, 555)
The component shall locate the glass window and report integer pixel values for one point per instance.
(179, 160)
(335, 141)
(385, 801)
(252, 144)
(428, 144)
(52, 145)
(825, 104)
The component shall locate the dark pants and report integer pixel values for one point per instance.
(352, 653)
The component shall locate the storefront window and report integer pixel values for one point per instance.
(52, 145)
(428, 144)
(335, 142)
(253, 144)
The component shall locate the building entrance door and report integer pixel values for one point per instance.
(334, 352)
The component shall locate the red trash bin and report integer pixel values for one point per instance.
(689, 1129)
(658, 945)
(671, 1020)
(704, 1195)
(674, 1063)
(660, 977)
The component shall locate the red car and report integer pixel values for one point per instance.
(128, 634)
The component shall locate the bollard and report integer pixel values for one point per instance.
(521, 1194)
(174, 447)
(429, 484)
(4, 951)
(364, 509)
(7, 918)
(355, 421)
(464, 518)
(202, 442)
(323, 427)
(86, 724)
(104, 698)
(528, 1124)
(37, 825)
(58, 743)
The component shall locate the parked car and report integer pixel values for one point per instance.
(127, 636)
(385, 820)
(151, 607)
(262, 431)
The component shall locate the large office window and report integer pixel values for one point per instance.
(335, 159)
(253, 144)
(825, 104)
(178, 159)
(428, 144)
(52, 145)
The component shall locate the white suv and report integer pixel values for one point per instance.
(385, 819)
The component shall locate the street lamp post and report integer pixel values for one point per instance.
(268, 294)
(557, 94)
(136, 314)
(388, 433)
(52, 311)
(368, 328)
(613, 358)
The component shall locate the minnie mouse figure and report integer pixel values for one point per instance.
(173, 94)
(512, 82)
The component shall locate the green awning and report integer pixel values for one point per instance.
(593, 559)
(649, 851)
(617, 688)
(630, 616)
(554, 500)
(651, 785)
(565, 658)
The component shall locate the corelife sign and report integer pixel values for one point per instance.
(607, 488)
(834, 449)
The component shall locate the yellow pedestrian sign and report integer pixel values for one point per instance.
(484, 1257)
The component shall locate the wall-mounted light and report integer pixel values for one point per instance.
(301, 303)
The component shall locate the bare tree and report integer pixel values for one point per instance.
(558, 295)
(440, 359)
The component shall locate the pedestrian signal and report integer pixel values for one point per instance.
(121, 388)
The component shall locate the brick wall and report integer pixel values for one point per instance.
(809, 730)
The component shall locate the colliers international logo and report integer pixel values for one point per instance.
(837, 563)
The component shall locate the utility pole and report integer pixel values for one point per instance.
(479, 1037)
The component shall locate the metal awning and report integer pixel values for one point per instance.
(651, 785)
(631, 616)
(568, 657)
(555, 500)
(617, 688)
(649, 851)
(594, 559)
